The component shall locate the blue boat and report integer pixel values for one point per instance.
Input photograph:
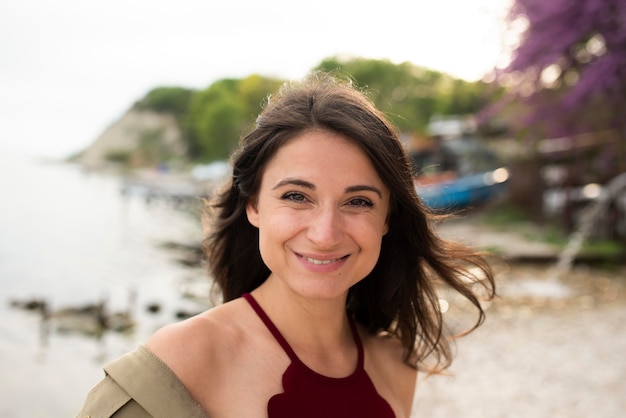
(456, 173)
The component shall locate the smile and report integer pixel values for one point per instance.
(320, 262)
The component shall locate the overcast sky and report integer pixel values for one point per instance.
(70, 68)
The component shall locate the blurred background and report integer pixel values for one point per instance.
(117, 120)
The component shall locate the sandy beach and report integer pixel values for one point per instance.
(547, 349)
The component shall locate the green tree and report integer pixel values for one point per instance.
(221, 128)
(254, 91)
(460, 97)
(407, 93)
(210, 112)
(220, 114)
(173, 100)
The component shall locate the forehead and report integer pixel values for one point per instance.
(313, 150)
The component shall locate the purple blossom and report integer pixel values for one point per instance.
(586, 39)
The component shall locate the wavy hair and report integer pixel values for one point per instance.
(399, 296)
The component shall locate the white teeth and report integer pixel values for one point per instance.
(318, 262)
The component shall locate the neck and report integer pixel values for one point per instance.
(316, 324)
(318, 330)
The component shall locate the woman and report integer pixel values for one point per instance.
(328, 265)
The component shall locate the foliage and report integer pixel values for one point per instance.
(463, 98)
(570, 65)
(173, 100)
(407, 93)
(213, 119)
(118, 156)
(219, 114)
(253, 91)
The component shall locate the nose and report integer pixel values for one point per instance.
(325, 229)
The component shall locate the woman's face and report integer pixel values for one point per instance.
(321, 211)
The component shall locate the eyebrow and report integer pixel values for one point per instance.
(361, 188)
(311, 186)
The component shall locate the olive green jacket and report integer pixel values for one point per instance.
(140, 385)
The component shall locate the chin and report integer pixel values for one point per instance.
(322, 291)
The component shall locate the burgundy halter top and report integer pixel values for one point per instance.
(308, 394)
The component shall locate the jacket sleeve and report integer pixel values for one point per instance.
(107, 399)
(139, 385)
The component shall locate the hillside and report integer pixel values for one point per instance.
(137, 138)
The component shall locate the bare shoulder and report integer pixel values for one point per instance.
(198, 346)
(385, 363)
(218, 353)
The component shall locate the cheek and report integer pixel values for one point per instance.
(374, 250)
(368, 229)
(274, 236)
(368, 236)
(276, 229)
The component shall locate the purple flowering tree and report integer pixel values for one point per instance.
(570, 65)
(566, 81)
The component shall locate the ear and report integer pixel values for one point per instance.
(252, 212)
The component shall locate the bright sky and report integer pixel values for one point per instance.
(70, 68)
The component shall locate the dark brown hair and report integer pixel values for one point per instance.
(399, 296)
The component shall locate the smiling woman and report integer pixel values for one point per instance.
(321, 212)
(328, 264)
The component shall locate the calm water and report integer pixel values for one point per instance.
(71, 238)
